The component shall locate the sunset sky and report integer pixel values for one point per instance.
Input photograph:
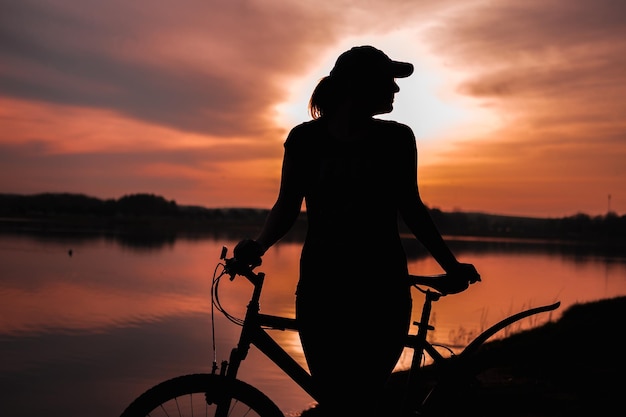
(519, 107)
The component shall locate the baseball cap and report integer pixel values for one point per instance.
(366, 60)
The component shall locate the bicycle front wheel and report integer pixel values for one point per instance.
(198, 394)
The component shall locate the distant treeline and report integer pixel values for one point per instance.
(146, 217)
(152, 214)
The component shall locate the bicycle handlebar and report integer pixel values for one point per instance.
(234, 267)
(444, 284)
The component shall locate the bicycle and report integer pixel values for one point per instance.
(221, 393)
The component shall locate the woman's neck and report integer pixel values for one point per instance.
(348, 126)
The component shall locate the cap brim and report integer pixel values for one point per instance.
(401, 69)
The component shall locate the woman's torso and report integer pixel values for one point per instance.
(351, 193)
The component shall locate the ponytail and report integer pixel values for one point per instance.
(324, 97)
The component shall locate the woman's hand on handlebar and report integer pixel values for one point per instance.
(458, 278)
(249, 251)
(464, 271)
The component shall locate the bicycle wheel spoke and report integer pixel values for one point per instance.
(201, 395)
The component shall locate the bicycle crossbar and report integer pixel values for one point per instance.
(277, 323)
(284, 361)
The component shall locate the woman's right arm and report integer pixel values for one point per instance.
(285, 211)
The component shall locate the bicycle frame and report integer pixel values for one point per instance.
(255, 324)
(253, 333)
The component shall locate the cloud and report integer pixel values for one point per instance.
(544, 49)
(553, 71)
(183, 95)
(501, 32)
(196, 67)
(215, 67)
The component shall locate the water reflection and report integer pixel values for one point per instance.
(92, 330)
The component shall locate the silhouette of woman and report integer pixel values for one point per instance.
(356, 174)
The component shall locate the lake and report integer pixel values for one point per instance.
(88, 324)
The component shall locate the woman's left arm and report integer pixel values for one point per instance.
(416, 215)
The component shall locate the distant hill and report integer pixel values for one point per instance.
(148, 213)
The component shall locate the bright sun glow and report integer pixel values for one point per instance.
(426, 101)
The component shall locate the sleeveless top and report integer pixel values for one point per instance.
(352, 192)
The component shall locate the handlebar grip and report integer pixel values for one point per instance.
(233, 267)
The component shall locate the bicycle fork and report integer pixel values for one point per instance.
(228, 371)
(230, 368)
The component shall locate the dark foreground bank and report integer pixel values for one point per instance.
(572, 367)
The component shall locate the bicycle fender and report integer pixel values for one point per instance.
(484, 336)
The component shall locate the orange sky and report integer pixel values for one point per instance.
(518, 107)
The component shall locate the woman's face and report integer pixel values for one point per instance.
(375, 96)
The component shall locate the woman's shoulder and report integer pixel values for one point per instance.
(306, 132)
(309, 127)
(396, 136)
(393, 127)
